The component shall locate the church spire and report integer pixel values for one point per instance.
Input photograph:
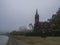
(36, 17)
(36, 12)
(36, 25)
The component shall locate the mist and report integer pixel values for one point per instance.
(16, 13)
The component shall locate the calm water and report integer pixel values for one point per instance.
(3, 40)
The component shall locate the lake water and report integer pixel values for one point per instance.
(3, 40)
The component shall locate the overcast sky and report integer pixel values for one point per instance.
(16, 13)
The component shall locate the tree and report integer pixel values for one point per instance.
(31, 26)
(22, 28)
(56, 19)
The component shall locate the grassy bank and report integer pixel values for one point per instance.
(39, 40)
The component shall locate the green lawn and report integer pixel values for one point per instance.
(39, 40)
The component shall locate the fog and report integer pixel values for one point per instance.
(16, 13)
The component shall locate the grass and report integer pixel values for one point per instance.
(39, 40)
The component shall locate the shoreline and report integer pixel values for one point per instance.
(22, 40)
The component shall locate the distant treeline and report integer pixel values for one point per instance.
(42, 34)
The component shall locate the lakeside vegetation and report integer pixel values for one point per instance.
(39, 40)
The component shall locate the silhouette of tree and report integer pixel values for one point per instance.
(56, 19)
(31, 26)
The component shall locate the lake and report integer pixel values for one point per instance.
(3, 39)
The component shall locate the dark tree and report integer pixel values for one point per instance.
(56, 19)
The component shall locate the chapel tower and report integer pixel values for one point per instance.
(36, 25)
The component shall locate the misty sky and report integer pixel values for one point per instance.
(16, 13)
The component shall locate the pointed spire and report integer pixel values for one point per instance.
(36, 11)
